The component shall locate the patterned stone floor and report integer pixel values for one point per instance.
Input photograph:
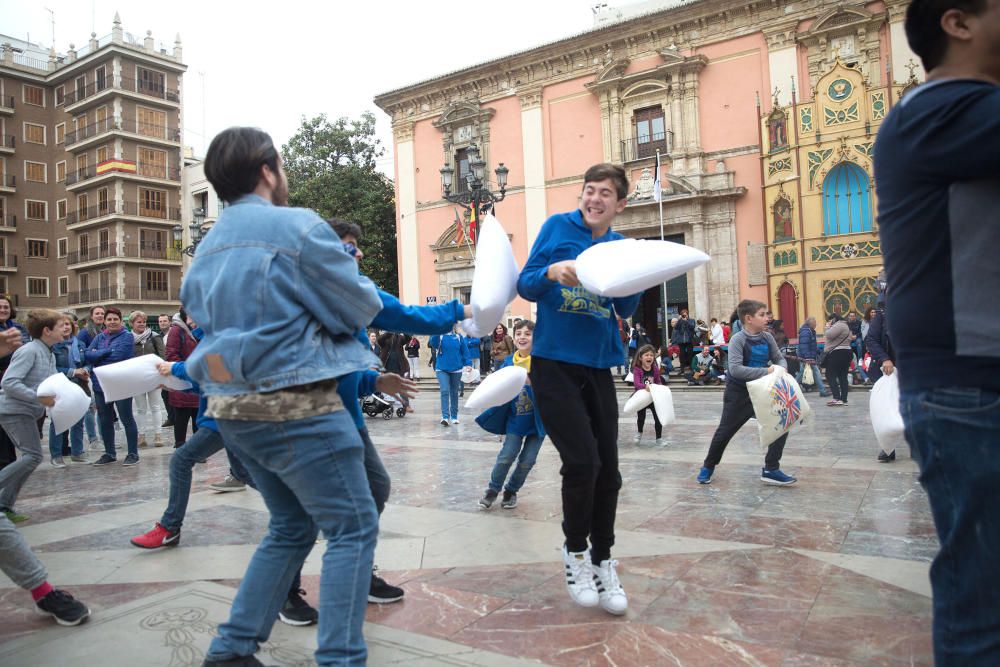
(831, 571)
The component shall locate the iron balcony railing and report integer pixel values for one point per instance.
(97, 294)
(145, 211)
(8, 261)
(7, 140)
(127, 83)
(156, 251)
(96, 211)
(146, 294)
(8, 221)
(7, 101)
(638, 148)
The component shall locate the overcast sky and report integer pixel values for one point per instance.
(269, 63)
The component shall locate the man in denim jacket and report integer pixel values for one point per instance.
(279, 300)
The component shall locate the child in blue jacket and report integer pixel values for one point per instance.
(521, 425)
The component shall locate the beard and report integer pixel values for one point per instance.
(279, 196)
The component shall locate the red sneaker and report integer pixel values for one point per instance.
(157, 538)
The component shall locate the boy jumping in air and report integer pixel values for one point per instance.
(576, 344)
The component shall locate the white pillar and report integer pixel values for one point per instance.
(782, 65)
(409, 257)
(533, 147)
(901, 53)
(700, 308)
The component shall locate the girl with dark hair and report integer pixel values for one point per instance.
(501, 347)
(644, 373)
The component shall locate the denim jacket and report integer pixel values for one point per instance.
(278, 299)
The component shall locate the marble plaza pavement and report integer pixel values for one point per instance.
(831, 571)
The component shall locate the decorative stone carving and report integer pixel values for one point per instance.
(644, 185)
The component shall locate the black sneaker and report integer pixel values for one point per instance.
(167, 424)
(297, 611)
(509, 501)
(63, 607)
(487, 500)
(886, 458)
(104, 460)
(242, 661)
(382, 592)
(130, 460)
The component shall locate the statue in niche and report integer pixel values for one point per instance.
(777, 130)
(783, 220)
(644, 185)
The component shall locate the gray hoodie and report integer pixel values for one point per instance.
(30, 364)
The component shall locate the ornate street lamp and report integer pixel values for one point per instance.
(478, 197)
(195, 228)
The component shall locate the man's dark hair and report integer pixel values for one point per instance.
(923, 27)
(601, 172)
(749, 307)
(234, 159)
(345, 228)
(40, 319)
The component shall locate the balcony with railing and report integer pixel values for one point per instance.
(157, 252)
(8, 223)
(165, 213)
(159, 171)
(95, 212)
(8, 182)
(80, 175)
(150, 131)
(7, 104)
(81, 96)
(146, 294)
(645, 146)
(95, 295)
(8, 262)
(87, 131)
(7, 142)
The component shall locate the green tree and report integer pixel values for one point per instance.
(331, 169)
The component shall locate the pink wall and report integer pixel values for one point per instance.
(643, 64)
(749, 222)
(430, 226)
(572, 129)
(505, 140)
(428, 158)
(563, 198)
(727, 92)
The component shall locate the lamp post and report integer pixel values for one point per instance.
(478, 197)
(195, 228)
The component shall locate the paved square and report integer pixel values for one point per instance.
(830, 571)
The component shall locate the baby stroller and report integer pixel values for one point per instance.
(377, 404)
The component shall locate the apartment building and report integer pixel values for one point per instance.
(90, 173)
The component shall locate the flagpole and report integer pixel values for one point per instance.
(659, 198)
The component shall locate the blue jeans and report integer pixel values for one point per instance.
(954, 434)
(90, 423)
(199, 447)
(106, 412)
(817, 374)
(512, 446)
(378, 478)
(75, 440)
(448, 383)
(311, 474)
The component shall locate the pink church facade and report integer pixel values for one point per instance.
(692, 82)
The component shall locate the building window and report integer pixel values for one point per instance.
(38, 248)
(102, 202)
(102, 154)
(152, 162)
(34, 134)
(60, 95)
(83, 245)
(60, 133)
(62, 247)
(84, 279)
(3, 279)
(100, 78)
(61, 209)
(61, 171)
(38, 286)
(36, 210)
(81, 87)
(462, 171)
(63, 285)
(35, 171)
(155, 281)
(152, 203)
(33, 95)
(650, 131)
(152, 243)
(847, 200)
(82, 204)
(151, 123)
(150, 82)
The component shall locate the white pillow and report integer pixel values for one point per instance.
(883, 403)
(663, 403)
(134, 376)
(494, 283)
(498, 388)
(72, 402)
(637, 401)
(630, 266)
(778, 405)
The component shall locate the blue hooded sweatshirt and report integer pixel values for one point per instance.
(452, 352)
(518, 416)
(574, 325)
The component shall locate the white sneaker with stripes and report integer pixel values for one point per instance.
(580, 577)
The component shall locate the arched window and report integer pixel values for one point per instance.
(788, 309)
(847, 200)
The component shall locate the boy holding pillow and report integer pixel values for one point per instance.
(752, 355)
(576, 343)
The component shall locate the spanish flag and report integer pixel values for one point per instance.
(473, 224)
